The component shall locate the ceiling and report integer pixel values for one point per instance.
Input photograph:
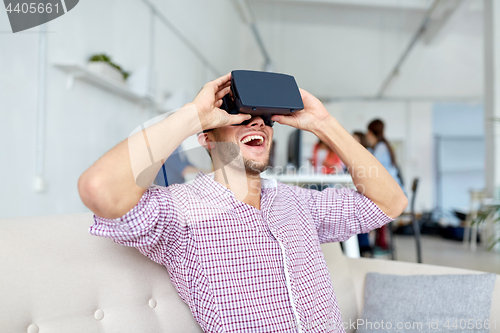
(341, 49)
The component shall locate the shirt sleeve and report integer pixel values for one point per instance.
(156, 226)
(339, 214)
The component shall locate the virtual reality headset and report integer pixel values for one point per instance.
(262, 94)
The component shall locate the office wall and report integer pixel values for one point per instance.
(460, 152)
(83, 123)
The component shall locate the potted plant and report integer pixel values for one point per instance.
(490, 212)
(102, 64)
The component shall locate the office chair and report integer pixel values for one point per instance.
(416, 225)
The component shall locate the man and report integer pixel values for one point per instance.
(243, 252)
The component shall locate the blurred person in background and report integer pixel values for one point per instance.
(324, 160)
(361, 138)
(382, 150)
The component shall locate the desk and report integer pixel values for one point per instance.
(351, 246)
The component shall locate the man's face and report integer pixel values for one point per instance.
(252, 140)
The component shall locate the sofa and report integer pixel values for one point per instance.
(56, 277)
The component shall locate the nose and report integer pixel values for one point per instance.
(256, 122)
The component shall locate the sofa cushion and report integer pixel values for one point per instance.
(56, 277)
(342, 282)
(427, 303)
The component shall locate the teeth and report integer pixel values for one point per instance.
(252, 137)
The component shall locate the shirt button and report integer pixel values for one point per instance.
(152, 303)
(99, 314)
(33, 328)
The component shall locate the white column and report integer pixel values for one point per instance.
(492, 103)
(492, 96)
(351, 247)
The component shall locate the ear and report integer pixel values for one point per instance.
(204, 141)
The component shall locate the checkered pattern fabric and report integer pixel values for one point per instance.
(241, 269)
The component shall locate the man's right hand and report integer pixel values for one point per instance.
(208, 103)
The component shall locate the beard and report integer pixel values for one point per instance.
(229, 152)
(255, 168)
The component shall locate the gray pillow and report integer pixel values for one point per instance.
(427, 303)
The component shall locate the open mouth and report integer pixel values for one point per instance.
(253, 140)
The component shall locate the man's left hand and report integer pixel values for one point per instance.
(308, 119)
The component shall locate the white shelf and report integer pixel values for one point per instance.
(121, 89)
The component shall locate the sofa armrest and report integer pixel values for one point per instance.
(360, 266)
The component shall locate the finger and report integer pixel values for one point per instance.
(228, 84)
(285, 120)
(212, 86)
(307, 96)
(225, 86)
(218, 104)
(222, 93)
(238, 118)
(304, 94)
(222, 80)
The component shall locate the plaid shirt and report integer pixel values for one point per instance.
(241, 269)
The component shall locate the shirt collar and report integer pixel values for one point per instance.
(268, 183)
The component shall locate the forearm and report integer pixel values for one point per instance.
(368, 174)
(115, 183)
